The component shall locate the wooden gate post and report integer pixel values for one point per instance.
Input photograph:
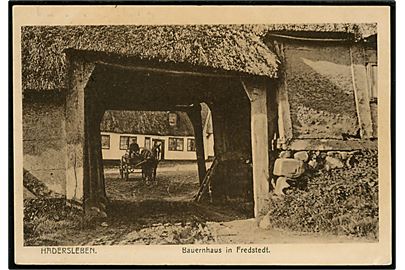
(195, 117)
(257, 93)
(79, 75)
(94, 184)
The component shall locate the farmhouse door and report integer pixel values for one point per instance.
(162, 147)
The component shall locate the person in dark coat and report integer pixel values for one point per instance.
(156, 150)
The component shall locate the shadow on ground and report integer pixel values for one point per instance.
(151, 211)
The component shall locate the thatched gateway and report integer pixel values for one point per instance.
(158, 68)
(248, 80)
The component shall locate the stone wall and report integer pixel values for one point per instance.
(320, 90)
(44, 145)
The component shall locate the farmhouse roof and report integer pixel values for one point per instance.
(225, 48)
(146, 122)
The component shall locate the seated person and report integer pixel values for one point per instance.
(156, 150)
(133, 149)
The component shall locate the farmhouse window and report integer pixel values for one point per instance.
(190, 145)
(372, 81)
(105, 141)
(147, 142)
(176, 144)
(125, 141)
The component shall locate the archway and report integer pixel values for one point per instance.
(239, 111)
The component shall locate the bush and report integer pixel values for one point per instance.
(341, 201)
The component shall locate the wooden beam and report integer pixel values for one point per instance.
(284, 117)
(257, 93)
(153, 107)
(94, 183)
(359, 77)
(205, 185)
(168, 71)
(331, 144)
(195, 117)
(80, 73)
(309, 39)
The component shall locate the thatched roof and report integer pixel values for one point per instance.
(235, 48)
(221, 47)
(146, 122)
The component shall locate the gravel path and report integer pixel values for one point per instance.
(164, 213)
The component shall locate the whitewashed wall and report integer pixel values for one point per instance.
(209, 146)
(115, 153)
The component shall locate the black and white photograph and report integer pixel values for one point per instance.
(209, 138)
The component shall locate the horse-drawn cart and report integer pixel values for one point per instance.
(146, 160)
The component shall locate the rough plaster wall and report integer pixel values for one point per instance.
(44, 143)
(320, 91)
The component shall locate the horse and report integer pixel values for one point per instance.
(151, 160)
(147, 160)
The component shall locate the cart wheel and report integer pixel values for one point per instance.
(145, 178)
(143, 174)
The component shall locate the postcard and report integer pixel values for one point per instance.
(202, 135)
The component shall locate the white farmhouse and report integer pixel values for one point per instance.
(173, 130)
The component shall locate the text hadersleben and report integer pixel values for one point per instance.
(68, 250)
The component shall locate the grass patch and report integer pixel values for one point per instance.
(46, 221)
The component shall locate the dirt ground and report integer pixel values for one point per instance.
(164, 213)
